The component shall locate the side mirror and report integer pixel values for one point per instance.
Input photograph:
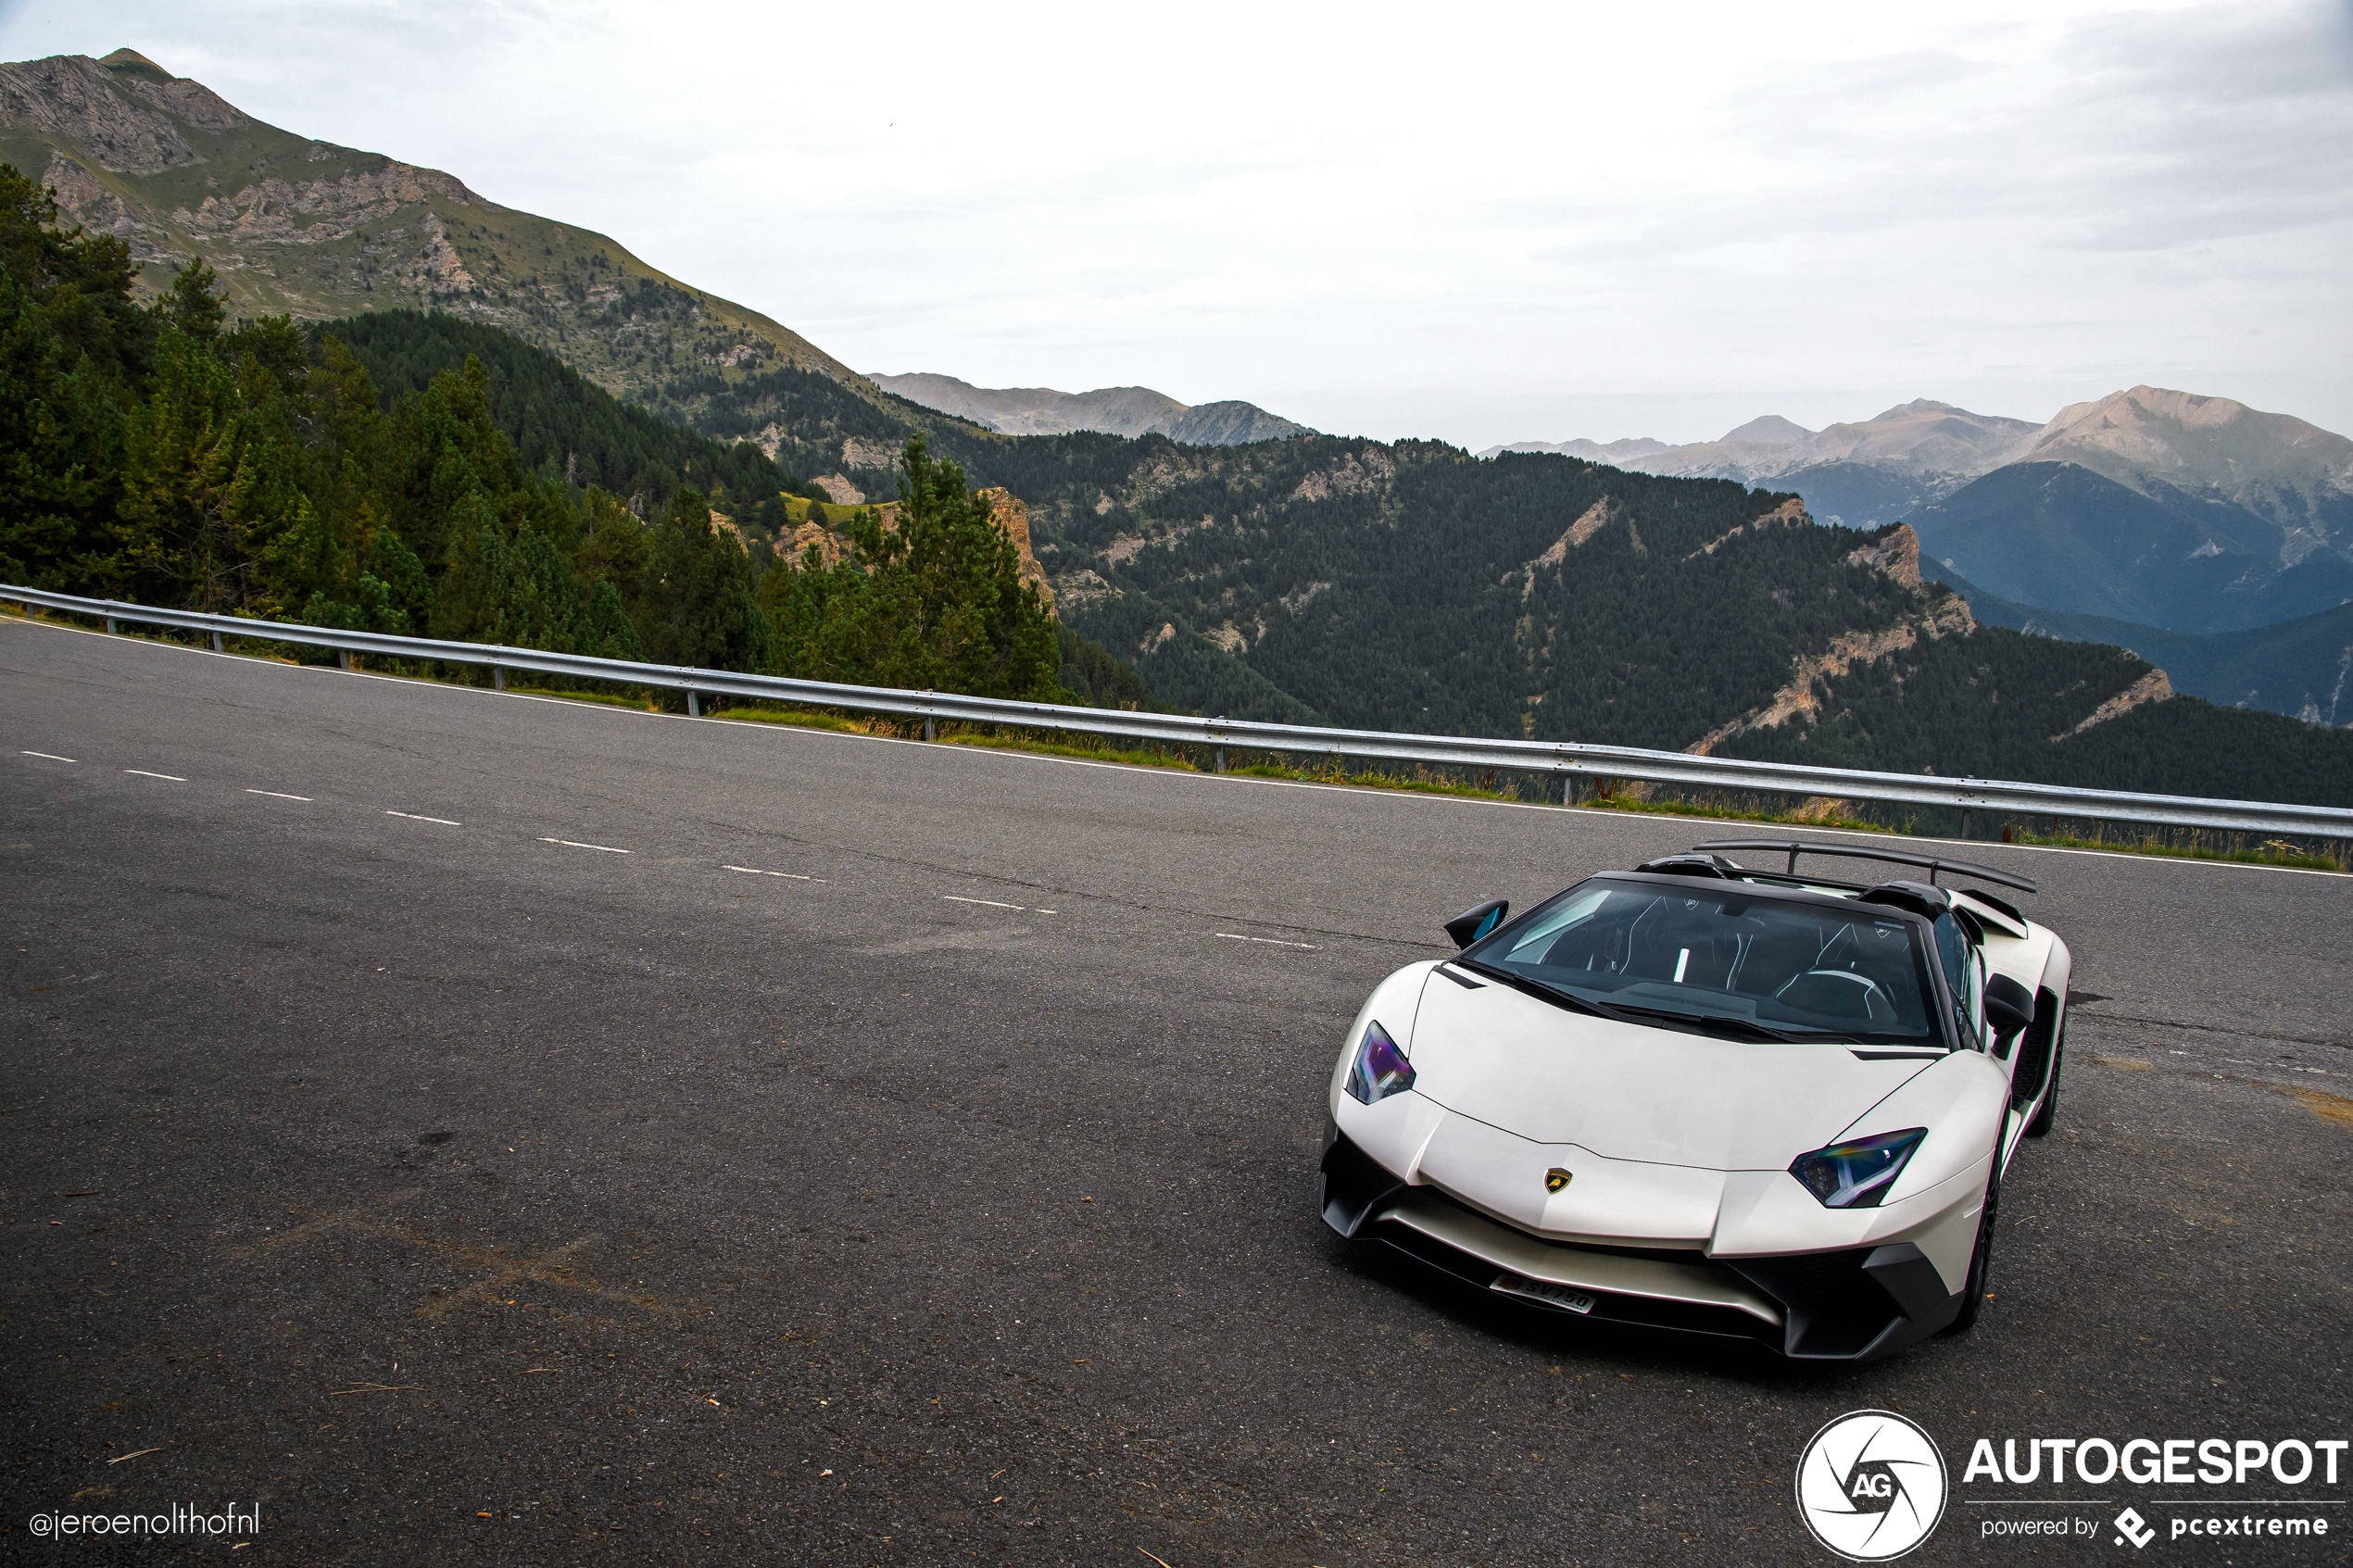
(2010, 1008)
(1478, 921)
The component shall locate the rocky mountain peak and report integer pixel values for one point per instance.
(1768, 430)
(1919, 405)
(129, 62)
(2147, 437)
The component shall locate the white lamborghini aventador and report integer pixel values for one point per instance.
(1706, 1096)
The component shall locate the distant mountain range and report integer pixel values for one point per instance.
(1903, 456)
(2148, 439)
(1116, 410)
(2136, 517)
(1392, 585)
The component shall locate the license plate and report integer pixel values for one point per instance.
(1546, 1291)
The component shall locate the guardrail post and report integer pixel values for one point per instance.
(931, 728)
(216, 646)
(342, 658)
(497, 677)
(694, 703)
(109, 625)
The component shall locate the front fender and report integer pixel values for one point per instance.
(1962, 1101)
(1397, 1002)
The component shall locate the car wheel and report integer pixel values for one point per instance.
(1981, 1258)
(2048, 1111)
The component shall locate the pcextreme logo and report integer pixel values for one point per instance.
(1871, 1485)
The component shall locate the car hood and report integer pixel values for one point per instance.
(1631, 1092)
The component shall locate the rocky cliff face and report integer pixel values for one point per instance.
(1012, 518)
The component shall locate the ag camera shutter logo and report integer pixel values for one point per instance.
(1872, 1485)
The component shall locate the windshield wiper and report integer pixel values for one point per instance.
(1548, 992)
(1730, 1024)
(1755, 1030)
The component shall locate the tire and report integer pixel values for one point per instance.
(2045, 1113)
(1981, 1258)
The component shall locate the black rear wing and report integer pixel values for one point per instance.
(1932, 863)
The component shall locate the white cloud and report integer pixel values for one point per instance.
(1527, 221)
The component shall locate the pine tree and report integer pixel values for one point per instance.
(944, 607)
(699, 605)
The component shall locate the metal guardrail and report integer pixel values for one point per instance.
(1552, 758)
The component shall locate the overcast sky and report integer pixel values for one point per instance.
(1481, 223)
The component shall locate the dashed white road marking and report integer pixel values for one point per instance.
(145, 774)
(992, 903)
(1270, 941)
(755, 870)
(574, 844)
(415, 818)
(279, 795)
(1174, 775)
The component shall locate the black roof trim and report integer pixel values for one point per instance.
(1691, 865)
(1794, 848)
(1765, 884)
(1922, 899)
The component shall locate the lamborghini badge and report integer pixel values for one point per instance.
(1556, 1179)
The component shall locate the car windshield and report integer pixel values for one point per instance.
(1726, 957)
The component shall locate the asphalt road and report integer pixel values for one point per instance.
(467, 1126)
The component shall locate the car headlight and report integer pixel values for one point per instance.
(1380, 1070)
(1856, 1175)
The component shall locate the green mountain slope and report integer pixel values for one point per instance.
(308, 229)
(2299, 667)
(1409, 586)
(2002, 704)
(2064, 536)
(564, 426)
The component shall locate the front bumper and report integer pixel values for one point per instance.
(1857, 1304)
